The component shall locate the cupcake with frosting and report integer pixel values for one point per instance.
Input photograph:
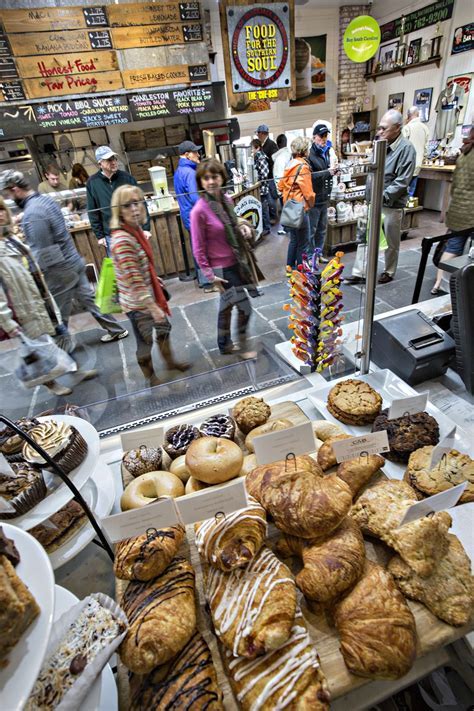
(20, 490)
(63, 442)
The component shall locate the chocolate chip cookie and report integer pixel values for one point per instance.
(354, 402)
(453, 468)
(407, 433)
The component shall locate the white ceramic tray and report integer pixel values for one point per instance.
(390, 387)
(103, 694)
(99, 493)
(26, 657)
(60, 496)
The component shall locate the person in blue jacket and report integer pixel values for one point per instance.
(186, 191)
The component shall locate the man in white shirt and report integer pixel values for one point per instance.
(417, 133)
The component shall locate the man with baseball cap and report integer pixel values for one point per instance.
(100, 187)
(269, 147)
(322, 175)
(187, 195)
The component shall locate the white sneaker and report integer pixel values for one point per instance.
(108, 337)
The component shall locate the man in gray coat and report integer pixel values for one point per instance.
(399, 168)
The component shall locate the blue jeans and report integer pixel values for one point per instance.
(299, 243)
(265, 200)
(318, 219)
(412, 186)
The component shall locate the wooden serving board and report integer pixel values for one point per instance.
(432, 633)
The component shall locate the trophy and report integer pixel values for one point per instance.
(436, 42)
(402, 50)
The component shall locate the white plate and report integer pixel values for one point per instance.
(390, 387)
(58, 498)
(103, 694)
(26, 657)
(99, 493)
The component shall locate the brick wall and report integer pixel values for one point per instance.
(351, 83)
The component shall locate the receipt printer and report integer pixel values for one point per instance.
(411, 346)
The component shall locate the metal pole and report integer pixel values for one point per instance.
(376, 201)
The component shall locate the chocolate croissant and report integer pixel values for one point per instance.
(331, 565)
(252, 608)
(376, 627)
(188, 681)
(146, 556)
(161, 615)
(304, 504)
(233, 540)
(289, 677)
(359, 471)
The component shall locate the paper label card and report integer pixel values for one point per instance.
(443, 447)
(439, 502)
(373, 443)
(160, 514)
(149, 436)
(5, 467)
(274, 446)
(213, 502)
(407, 406)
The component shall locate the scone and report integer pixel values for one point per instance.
(407, 433)
(354, 402)
(250, 412)
(454, 468)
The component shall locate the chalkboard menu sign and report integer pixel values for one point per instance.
(7, 65)
(100, 39)
(157, 104)
(12, 91)
(95, 16)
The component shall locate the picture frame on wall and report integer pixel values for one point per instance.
(395, 101)
(422, 100)
(414, 49)
(388, 55)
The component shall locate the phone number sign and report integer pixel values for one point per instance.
(260, 47)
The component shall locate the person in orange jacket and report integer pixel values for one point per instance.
(296, 184)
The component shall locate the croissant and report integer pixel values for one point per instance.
(252, 608)
(304, 504)
(161, 615)
(359, 471)
(330, 566)
(376, 627)
(289, 677)
(448, 592)
(188, 681)
(254, 479)
(146, 556)
(234, 540)
(326, 456)
(421, 544)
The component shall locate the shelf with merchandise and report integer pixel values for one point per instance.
(401, 70)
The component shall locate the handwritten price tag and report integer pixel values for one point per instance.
(149, 436)
(160, 514)
(439, 502)
(207, 503)
(274, 446)
(407, 406)
(374, 443)
(443, 447)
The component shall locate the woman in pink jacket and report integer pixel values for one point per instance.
(221, 247)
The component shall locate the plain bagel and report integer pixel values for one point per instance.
(148, 487)
(270, 426)
(179, 468)
(193, 485)
(213, 460)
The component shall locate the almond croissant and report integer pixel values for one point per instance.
(331, 565)
(252, 608)
(376, 627)
(234, 540)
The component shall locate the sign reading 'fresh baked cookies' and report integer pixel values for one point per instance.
(277, 445)
(439, 502)
(363, 445)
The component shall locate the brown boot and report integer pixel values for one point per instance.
(168, 357)
(146, 366)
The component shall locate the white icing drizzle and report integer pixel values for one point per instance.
(239, 590)
(211, 532)
(283, 668)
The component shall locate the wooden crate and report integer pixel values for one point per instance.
(175, 134)
(154, 137)
(140, 170)
(134, 140)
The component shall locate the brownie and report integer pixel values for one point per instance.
(9, 549)
(407, 433)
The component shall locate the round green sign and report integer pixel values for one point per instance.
(361, 38)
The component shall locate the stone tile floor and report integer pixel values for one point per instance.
(194, 328)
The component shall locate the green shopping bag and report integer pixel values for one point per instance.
(106, 295)
(383, 244)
